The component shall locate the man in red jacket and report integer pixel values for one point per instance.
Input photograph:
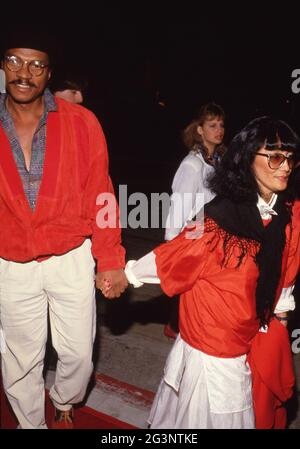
(54, 191)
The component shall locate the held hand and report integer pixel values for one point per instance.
(111, 283)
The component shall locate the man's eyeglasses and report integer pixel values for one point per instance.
(276, 160)
(14, 64)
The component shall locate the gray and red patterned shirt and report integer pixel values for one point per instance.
(31, 179)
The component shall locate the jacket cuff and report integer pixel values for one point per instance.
(132, 279)
(111, 263)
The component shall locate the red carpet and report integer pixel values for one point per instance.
(85, 417)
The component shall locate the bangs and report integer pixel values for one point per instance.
(212, 116)
(279, 136)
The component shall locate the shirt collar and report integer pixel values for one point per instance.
(50, 103)
(266, 209)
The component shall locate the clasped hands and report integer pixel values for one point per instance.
(111, 283)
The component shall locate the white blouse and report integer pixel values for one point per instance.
(190, 192)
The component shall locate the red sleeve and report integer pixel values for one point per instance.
(101, 205)
(273, 378)
(180, 262)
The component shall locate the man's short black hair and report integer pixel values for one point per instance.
(67, 81)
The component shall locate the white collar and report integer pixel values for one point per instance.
(266, 209)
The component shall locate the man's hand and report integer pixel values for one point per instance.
(111, 283)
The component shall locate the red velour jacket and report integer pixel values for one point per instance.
(75, 174)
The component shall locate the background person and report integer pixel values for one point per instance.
(69, 89)
(203, 138)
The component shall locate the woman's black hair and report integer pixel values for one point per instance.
(234, 177)
(236, 188)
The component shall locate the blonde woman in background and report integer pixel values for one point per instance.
(203, 137)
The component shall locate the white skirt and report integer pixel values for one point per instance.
(199, 391)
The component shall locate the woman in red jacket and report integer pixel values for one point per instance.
(235, 278)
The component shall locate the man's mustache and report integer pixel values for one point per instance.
(24, 83)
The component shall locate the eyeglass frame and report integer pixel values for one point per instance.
(286, 158)
(27, 63)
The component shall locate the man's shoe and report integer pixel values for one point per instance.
(63, 419)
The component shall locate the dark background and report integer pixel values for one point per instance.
(150, 65)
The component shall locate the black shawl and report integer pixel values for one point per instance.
(243, 220)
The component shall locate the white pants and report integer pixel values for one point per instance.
(65, 284)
